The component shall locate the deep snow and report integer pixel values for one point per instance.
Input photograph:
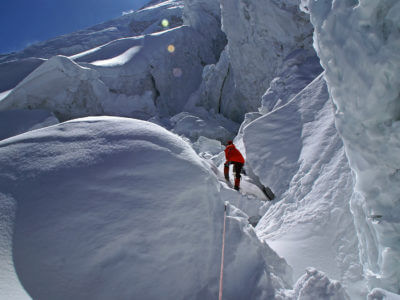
(120, 208)
(311, 178)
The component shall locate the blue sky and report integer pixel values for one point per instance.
(23, 22)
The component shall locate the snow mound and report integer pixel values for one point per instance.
(193, 127)
(381, 294)
(316, 285)
(61, 86)
(13, 122)
(114, 208)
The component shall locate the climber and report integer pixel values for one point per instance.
(233, 156)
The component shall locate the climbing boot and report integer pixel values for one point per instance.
(237, 184)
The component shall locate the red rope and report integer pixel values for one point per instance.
(221, 275)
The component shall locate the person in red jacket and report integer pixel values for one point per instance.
(233, 156)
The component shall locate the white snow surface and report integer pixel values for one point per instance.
(305, 165)
(298, 69)
(127, 210)
(61, 86)
(358, 43)
(134, 77)
(114, 208)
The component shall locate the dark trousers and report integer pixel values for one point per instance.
(237, 168)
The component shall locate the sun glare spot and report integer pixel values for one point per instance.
(165, 23)
(177, 72)
(171, 48)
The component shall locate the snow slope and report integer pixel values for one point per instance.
(16, 66)
(138, 76)
(61, 86)
(145, 20)
(304, 163)
(113, 208)
(358, 44)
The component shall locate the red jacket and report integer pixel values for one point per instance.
(233, 154)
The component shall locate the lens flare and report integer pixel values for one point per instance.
(177, 72)
(165, 23)
(171, 48)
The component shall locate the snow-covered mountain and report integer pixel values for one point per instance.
(126, 197)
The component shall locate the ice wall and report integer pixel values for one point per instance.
(358, 43)
(260, 35)
(205, 17)
(297, 151)
(264, 41)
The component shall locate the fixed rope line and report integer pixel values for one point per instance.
(221, 274)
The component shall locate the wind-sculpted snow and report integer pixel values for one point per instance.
(115, 208)
(144, 21)
(297, 152)
(194, 127)
(134, 77)
(358, 43)
(316, 285)
(61, 86)
(15, 67)
(13, 72)
(281, 152)
(298, 69)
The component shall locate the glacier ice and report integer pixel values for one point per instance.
(358, 44)
(304, 163)
(260, 35)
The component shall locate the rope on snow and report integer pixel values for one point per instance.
(221, 275)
